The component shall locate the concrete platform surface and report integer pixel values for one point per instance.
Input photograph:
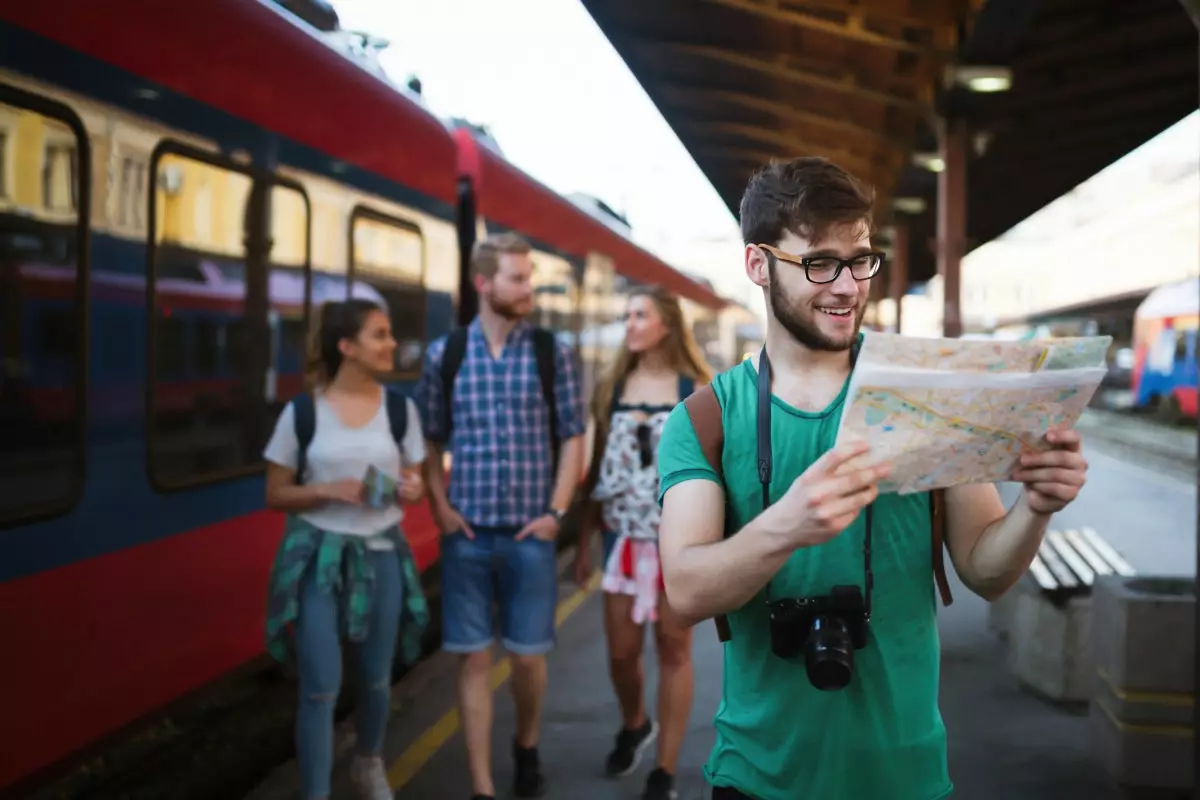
(1004, 743)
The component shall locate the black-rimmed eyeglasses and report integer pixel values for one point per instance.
(826, 269)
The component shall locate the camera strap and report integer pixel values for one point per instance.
(763, 426)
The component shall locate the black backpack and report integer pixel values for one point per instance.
(304, 422)
(543, 348)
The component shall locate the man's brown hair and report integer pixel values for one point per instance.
(485, 256)
(807, 196)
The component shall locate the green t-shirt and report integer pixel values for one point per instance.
(778, 738)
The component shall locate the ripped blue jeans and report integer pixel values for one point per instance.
(319, 655)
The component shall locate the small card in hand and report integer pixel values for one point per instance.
(380, 488)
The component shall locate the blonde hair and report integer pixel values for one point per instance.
(682, 355)
(485, 255)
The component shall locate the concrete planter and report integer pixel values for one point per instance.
(1143, 648)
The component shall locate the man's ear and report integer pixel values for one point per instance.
(756, 266)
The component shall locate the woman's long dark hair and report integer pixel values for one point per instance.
(337, 320)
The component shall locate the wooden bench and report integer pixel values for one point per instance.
(1046, 618)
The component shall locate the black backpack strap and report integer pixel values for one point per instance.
(686, 387)
(544, 347)
(397, 409)
(304, 422)
(452, 358)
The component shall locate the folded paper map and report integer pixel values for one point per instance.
(947, 412)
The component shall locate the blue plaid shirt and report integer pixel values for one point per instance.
(502, 470)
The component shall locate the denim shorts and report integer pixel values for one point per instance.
(521, 577)
(610, 541)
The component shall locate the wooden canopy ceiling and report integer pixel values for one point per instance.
(864, 82)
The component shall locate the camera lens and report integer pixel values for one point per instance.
(829, 656)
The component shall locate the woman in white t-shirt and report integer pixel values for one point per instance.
(343, 569)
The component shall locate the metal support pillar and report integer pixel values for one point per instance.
(952, 220)
(898, 269)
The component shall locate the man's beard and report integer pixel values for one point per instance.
(804, 329)
(509, 311)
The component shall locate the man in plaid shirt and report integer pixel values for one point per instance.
(504, 506)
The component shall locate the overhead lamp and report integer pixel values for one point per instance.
(983, 78)
(909, 205)
(930, 161)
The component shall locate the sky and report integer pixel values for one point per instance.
(564, 108)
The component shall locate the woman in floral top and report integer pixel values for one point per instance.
(657, 366)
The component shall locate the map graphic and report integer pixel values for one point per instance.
(948, 412)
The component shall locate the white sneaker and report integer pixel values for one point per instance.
(370, 778)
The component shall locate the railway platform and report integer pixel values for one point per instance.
(1003, 741)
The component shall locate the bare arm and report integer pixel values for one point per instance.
(284, 495)
(570, 469)
(704, 573)
(434, 470)
(991, 550)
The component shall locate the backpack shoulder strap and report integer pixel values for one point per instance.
(704, 410)
(937, 519)
(544, 346)
(304, 423)
(397, 410)
(452, 358)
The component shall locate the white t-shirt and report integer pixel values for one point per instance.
(338, 452)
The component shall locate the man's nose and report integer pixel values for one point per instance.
(845, 284)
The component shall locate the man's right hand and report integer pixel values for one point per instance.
(450, 521)
(822, 502)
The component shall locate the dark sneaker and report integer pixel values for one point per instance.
(630, 745)
(660, 785)
(527, 777)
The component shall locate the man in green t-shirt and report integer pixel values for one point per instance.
(806, 226)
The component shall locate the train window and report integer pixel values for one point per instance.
(44, 191)
(387, 265)
(228, 271)
(556, 289)
(603, 311)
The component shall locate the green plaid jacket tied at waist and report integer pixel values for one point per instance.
(343, 566)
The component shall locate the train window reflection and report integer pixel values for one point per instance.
(42, 305)
(387, 265)
(229, 263)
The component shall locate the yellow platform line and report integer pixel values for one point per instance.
(417, 755)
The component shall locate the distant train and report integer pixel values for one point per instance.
(170, 215)
(1166, 351)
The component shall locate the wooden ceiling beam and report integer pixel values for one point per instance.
(708, 149)
(947, 14)
(852, 29)
(696, 97)
(795, 143)
(848, 85)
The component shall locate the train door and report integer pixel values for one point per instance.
(45, 207)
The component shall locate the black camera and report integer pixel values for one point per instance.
(826, 629)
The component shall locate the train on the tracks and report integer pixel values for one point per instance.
(1166, 351)
(181, 185)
